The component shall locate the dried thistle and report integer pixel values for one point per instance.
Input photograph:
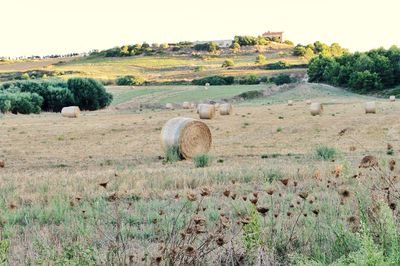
(392, 164)
(262, 210)
(191, 196)
(303, 195)
(254, 201)
(285, 181)
(369, 161)
(205, 191)
(227, 192)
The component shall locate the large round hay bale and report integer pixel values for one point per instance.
(71, 111)
(370, 108)
(316, 109)
(189, 136)
(169, 106)
(308, 102)
(392, 98)
(290, 103)
(186, 105)
(225, 109)
(206, 111)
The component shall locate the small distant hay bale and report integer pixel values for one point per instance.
(308, 102)
(71, 112)
(370, 108)
(206, 86)
(316, 109)
(169, 106)
(392, 98)
(186, 105)
(225, 109)
(206, 111)
(192, 105)
(290, 103)
(190, 136)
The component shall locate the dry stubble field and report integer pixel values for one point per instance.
(52, 205)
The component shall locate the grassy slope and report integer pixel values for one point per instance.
(175, 66)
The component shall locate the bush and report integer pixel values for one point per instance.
(172, 155)
(228, 63)
(277, 65)
(325, 153)
(209, 47)
(281, 79)
(57, 98)
(260, 59)
(250, 80)
(214, 80)
(89, 94)
(130, 81)
(20, 102)
(202, 160)
(248, 95)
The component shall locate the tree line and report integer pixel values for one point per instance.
(362, 72)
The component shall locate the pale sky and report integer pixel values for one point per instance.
(41, 27)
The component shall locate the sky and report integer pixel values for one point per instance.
(43, 27)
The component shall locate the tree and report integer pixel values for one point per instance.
(89, 94)
(299, 50)
(260, 59)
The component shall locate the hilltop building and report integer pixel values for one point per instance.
(278, 35)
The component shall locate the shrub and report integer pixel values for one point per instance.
(130, 81)
(277, 65)
(250, 80)
(202, 160)
(325, 153)
(228, 63)
(248, 95)
(89, 94)
(172, 154)
(21, 102)
(281, 79)
(209, 47)
(214, 80)
(260, 59)
(57, 98)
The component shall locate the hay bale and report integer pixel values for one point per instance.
(206, 111)
(290, 103)
(71, 111)
(316, 109)
(190, 136)
(169, 106)
(370, 108)
(186, 105)
(308, 102)
(216, 105)
(225, 109)
(192, 105)
(392, 98)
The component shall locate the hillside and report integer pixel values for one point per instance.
(168, 66)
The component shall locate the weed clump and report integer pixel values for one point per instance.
(202, 160)
(172, 155)
(325, 153)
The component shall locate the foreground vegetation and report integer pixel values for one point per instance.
(288, 191)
